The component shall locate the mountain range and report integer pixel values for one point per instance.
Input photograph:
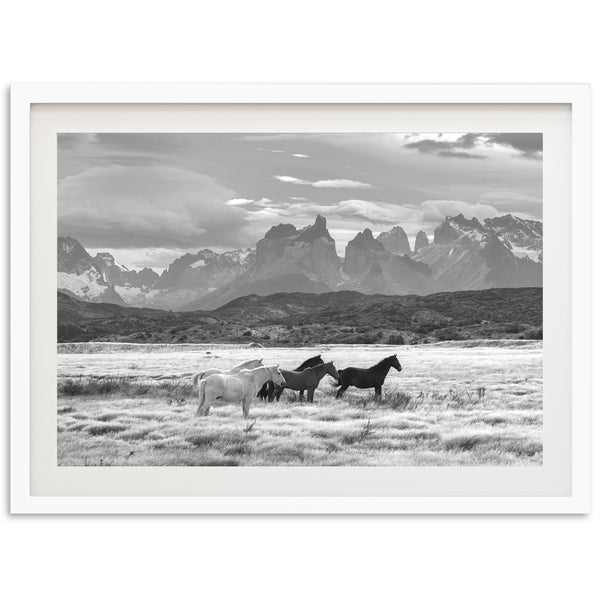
(464, 254)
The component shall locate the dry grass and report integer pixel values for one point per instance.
(450, 405)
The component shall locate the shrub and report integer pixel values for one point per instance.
(71, 387)
(202, 439)
(122, 386)
(397, 400)
(105, 428)
(247, 333)
(449, 334)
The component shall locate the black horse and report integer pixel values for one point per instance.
(367, 378)
(269, 390)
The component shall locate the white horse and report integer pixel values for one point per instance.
(248, 364)
(239, 387)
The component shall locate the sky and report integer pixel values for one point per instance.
(148, 198)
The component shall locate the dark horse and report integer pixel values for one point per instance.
(367, 378)
(269, 390)
(308, 379)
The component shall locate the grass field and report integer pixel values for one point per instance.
(454, 403)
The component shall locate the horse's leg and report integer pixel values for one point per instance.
(310, 394)
(246, 405)
(341, 391)
(301, 396)
(378, 392)
(204, 407)
(203, 400)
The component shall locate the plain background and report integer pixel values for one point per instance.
(309, 41)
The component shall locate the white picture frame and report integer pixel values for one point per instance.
(25, 96)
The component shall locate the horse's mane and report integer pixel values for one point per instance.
(308, 360)
(252, 371)
(247, 362)
(321, 366)
(384, 360)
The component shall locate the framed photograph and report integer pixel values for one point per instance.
(300, 299)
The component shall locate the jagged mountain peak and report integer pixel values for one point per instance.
(107, 260)
(66, 241)
(281, 231)
(503, 220)
(395, 240)
(461, 221)
(421, 241)
(365, 239)
(453, 228)
(315, 231)
(72, 256)
(524, 237)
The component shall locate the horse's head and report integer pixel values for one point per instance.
(331, 370)
(395, 363)
(276, 377)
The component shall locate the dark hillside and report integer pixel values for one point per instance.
(297, 318)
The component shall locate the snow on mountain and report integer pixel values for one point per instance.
(78, 274)
(523, 237)
(119, 275)
(193, 276)
(467, 254)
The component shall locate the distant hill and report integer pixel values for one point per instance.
(299, 318)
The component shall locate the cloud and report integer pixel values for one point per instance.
(141, 258)
(435, 211)
(118, 207)
(446, 148)
(188, 191)
(298, 155)
(288, 179)
(324, 183)
(239, 201)
(340, 183)
(528, 145)
(455, 154)
(354, 209)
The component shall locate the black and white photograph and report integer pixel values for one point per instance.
(300, 299)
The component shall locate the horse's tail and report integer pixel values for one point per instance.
(195, 379)
(263, 393)
(201, 397)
